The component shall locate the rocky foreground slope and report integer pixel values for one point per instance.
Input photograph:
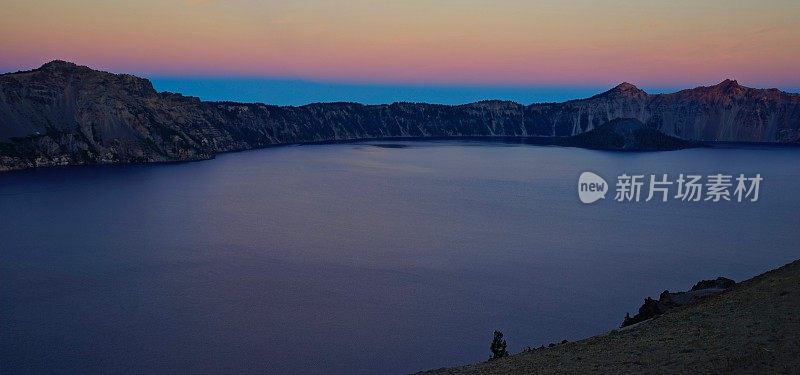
(752, 328)
(63, 114)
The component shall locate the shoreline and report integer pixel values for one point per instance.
(511, 140)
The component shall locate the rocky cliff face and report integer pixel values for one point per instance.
(63, 114)
(725, 112)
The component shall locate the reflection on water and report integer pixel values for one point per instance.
(356, 258)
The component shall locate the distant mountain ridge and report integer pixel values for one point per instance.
(65, 114)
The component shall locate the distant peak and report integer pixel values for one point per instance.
(729, 83)
(625, 89)
(625, 86)
(730, 86)
(59, 64)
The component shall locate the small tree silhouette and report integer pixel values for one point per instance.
(498, 346)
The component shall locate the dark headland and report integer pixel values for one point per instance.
(751, 328)
(67, 114)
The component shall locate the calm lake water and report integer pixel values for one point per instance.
(355, 258)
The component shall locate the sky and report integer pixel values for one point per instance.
(415, 48)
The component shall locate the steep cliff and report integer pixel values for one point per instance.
(64, 114)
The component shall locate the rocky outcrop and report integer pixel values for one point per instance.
(718, 283)
(666, 301)
(65, 114)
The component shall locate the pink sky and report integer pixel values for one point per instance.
(501, 42)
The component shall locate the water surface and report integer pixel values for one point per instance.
(353, 258)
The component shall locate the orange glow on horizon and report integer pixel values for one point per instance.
(508, 42)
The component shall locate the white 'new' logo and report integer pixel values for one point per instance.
(591, 187)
